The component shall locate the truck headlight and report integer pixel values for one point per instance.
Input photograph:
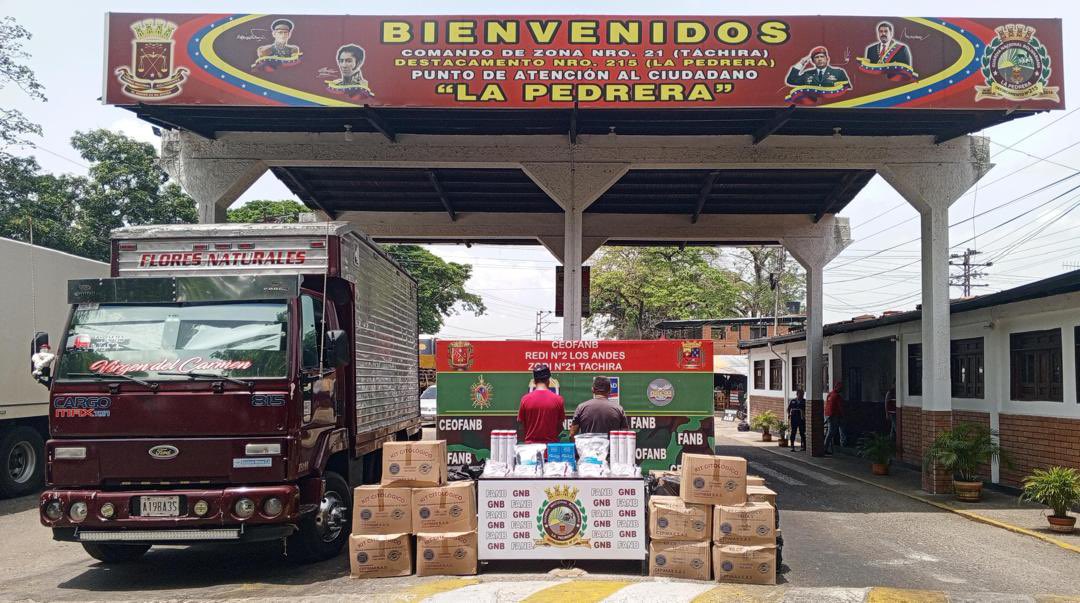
(272, 507)
(244, 508)
(201, 508)
(78, 511)
(72, 453)
(54, 510)
(108, 510)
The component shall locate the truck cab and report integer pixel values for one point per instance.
(220, 387)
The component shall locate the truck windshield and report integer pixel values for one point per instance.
(238, 339)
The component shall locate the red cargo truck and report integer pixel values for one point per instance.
(228, 383)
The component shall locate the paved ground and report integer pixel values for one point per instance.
(842, 537)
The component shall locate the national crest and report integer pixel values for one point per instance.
(1016, 66)
(481, 393)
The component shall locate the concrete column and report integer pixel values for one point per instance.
(214, 183)
(574, 187)
(813, 253)
(932, 189)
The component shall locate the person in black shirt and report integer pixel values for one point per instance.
(796, 412)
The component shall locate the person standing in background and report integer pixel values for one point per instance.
(796, 412)
(833, 411)
(598, 414)
(890, 411)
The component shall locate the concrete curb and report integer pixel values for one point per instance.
(940, 505)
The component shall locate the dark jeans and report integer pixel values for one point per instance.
(799, 428)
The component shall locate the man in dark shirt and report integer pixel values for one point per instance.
(598, 415)
(797, 418)
(541, 413)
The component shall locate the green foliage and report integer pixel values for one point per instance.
(14, 126)
(963, 448)
(441, 285)
(266, 210)
(782, 428)
(1056, 487)
(765, 422)
(877, 447)
(633, 288)
(757, 295)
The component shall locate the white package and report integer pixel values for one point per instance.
(592, 451)
(496, 469)
(529, 460)
(558, 469)
(625, 470)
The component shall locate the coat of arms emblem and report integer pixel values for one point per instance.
(1016, 66)
(151, 74)
(461, 355)
(690, 356)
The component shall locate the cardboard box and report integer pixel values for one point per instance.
(382, 510)
(446, 554)
(450, 508)
(754, 480)
(418, 464)
(749, 524)
(672, 518)
(713, 480)
(680, 559)
(760, 494)
(744, 564)
(380, 555)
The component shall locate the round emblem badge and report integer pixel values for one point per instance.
(662, 522)
(455, 511)
(562, 521)
(660, 392)
(699, 526)
(725, 527)
(425, 468)
(361, 557)
(763, 568)
(365, 514)
(697, 563)
(1016, 66)
(393, 555)
(762, 530)
(730, 485)
(429, 554)
(727, 566)
(398, 514)
(660, 561)
(699, 482)
(424, 513)
(459, 554)
(394, 468)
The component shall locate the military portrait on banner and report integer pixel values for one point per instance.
(887, 56)
(279, 53)
(814, 79)
(351, 82)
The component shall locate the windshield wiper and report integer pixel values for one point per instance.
(100, 377)
(210, 376)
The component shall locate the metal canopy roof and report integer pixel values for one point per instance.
(943, 124)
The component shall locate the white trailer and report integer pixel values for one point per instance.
(34, 298)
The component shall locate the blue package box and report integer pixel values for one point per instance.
(562, 452)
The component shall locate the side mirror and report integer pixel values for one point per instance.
(41, 358)
(337, 347)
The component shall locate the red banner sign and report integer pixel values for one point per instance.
(597, 61)
(655, 356)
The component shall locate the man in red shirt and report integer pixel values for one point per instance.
(834, 409)
(542, 413)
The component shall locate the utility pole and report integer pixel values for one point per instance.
(968, 271)
(541, 324)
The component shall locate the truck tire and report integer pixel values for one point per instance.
(324, 533)
(22, 461)
(115, 553)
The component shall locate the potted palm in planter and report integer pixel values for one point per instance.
(765, 423)
(960, 451)
(1057, 488)
(879, 449)
(781, 431)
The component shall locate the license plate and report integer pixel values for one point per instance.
(159, 506)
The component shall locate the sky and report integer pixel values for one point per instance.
(1029, 237)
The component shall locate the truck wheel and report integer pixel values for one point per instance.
(22, 461)
(323, 533)
(115, 553)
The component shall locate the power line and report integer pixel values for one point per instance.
(968, 271)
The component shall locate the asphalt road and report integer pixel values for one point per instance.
(838, 533)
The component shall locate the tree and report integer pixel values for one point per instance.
(265, 210)
(441, 284)
(763, 270)
(14, 126)
(633, 288)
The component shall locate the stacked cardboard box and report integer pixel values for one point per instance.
(413, 499)
(680, 534)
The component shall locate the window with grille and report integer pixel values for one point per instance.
(1035, 366)
(914, 369)
(776, 375)
(966, 358)
(759, 374)
(798, 373)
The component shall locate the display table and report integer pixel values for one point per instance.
(568, 518)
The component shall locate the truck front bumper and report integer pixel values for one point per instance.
(178, 515)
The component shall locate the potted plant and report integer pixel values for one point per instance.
(1057, 488)
(781, 432)
(960, 451)
(765, 423)
(879, 449)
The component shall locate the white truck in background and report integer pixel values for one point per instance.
(33, 298)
